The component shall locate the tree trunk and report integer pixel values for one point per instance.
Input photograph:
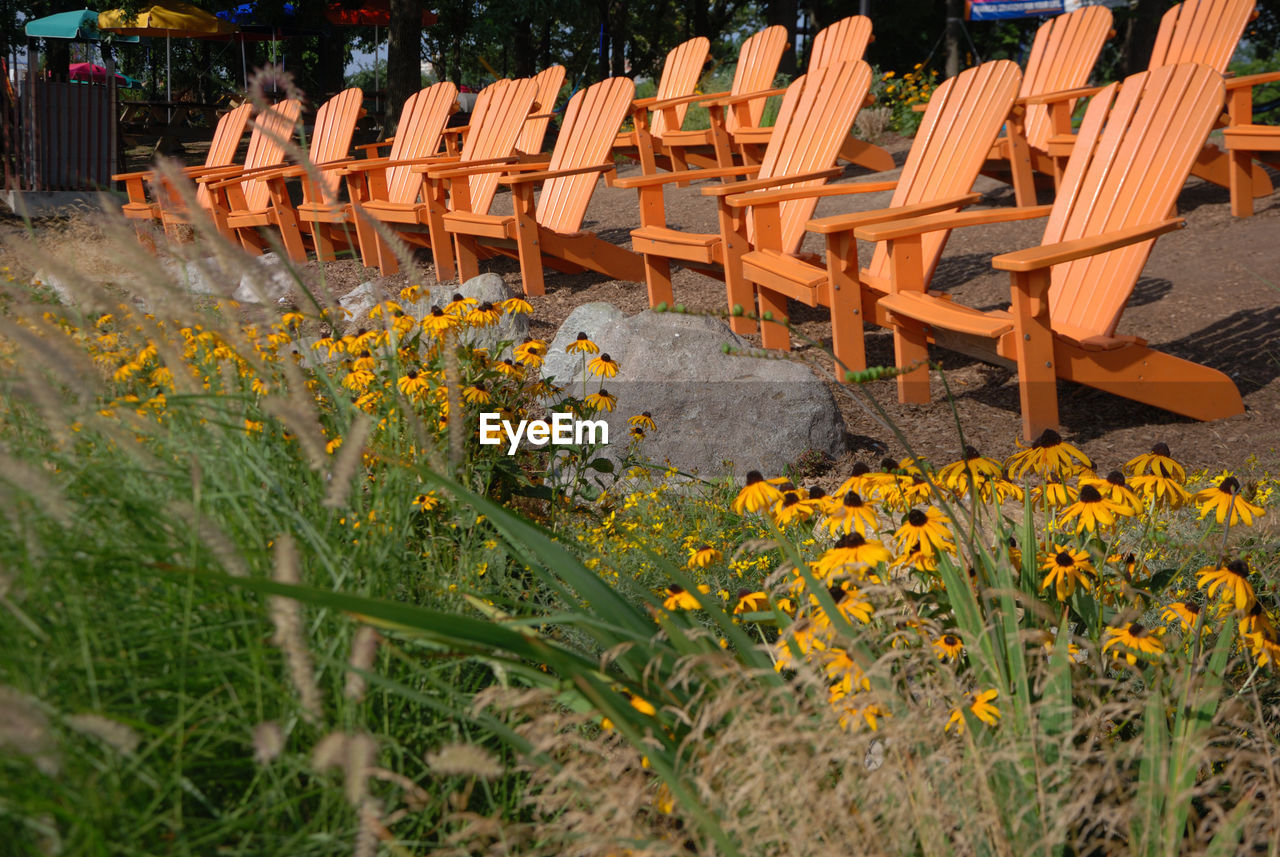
(618, 18)
(1140, 36)
(524, 48)
(954, 36)
(404, 57)
(331, 73)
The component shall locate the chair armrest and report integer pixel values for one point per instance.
(747, 96)
(1047, 255)
(543, 175)
(470, 168)
(845, 222)
(643, 103)
(265, 174)
(773, 181)
(1060, 95)
(687, 99)
(539, 116)
(685, 176)
(893, 229)
(370, 148)
(772, 197)
(1252, 80)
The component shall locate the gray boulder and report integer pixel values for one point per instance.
(364, 297)
(711, 409)
(271, 282)
(484, 288)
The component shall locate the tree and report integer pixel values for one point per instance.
(404, 56)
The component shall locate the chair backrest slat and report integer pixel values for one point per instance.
(499, 113)
(271, 128)
(757, 67)
(422, 121)
(680, 73)
(813, 122)
(591, 122)
(222, 148)
(1063, 54)
(534, 132)
(1203, 31)
(960, 124)
(844, 41)
(331, 135)
(1126, 170)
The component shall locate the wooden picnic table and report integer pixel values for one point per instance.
(168, 123)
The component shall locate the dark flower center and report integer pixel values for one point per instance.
(436, 311)
(837, 593)
(650, 416)
(852, 500)
(1089, 494)
(851, 540)
(951, 640)
(888, 465)
(971, 453)
(754, 476)
(1116, 478)
(1064, 559)
(787, 486)
(1255, 610)
(1013, 543)
(916, 518)
(790, 499)
(816, 493)
(1161, 449)
(1136, 630)
(411, 374)
(859, 469)
(604, 394)
(581, 336)
(675, 589)
(743, 593)
(1194, 609)
(1238, 567)
(458, 297)
(705, 548)
(1229, 485)
(1047, 438)
(604, 358)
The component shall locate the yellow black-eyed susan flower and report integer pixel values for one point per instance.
(1158, 461)
(1185, 613)
(851, 551)
(483, 315)
(1092, 511)
(508, 367)
(517, 306)
(412, 384)
(851, 515)
(427, 501)
(1054, 493)
(530, 352)
(924, 532)
(476, 394)
(411, 293)
(1232, 579)
(973, 467)
(644, 421)
(1015, 553)
(849, 603)
(459, 305)
(603, 366)
(1065, 569)
(1048, 456)
(679, 598)
(792, 506)
(437, 321)
(1117, 490)
(981, 705)
(857, 481)
(1131, 642)
(582, 345)
(756, 495)
(750, 602)
(602, 400)
(703, 556)
(949, 647)
(1225, 502)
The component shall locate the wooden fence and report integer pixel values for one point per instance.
(58, 135)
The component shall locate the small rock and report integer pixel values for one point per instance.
(484, 288)
(364, 297)
(65, 293)
(271, 283)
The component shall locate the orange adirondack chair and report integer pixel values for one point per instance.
(1202, 31)
(329, 220)
(1064, 52)
(272, 128)
(221, 155)
(817, 110)
(244, 203)
(844, 41)
(959, 126)
(1133, 153)
(534, 132)
(413, 208)
(653, 117)
(752, 84)
(551, 230)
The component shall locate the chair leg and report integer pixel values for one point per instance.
(528, 247)
(1024, 180)
(657, 276)
(1033, 339)
(844, 296)
(1240, 179)
(468, 252)
(911, 346)
(774, 333)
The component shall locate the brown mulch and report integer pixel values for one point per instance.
(1210, 293)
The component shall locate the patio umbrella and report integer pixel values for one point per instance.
(80, 26)
(97, 74)
(168, 18)
(372, 13)
(245, 17)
